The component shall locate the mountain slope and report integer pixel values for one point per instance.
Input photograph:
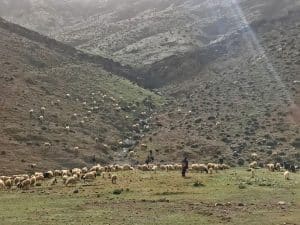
(37, 72)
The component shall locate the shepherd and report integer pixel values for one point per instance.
(185, 166)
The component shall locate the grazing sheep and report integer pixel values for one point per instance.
(277, 166)
(57, 173)
(43, 109)
(254, 156)
(8, 183)
(32, 180)
(253, 165)
(67, 129)
(68, 95)
(71, 180)
(39, 178)
(271, 167)
(84, 170)
(127, 167)
(2, 185)
(89, 176)
(41, 118)
(76, 149)
(114, 179)
(32, 166)
(286, 175)
(48, 174)
(47, 145)
(131, 154)
(199, 167)
(64, 178)
(25, 184)
(31, 111)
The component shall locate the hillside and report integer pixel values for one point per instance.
(229, 69)
(244, 101)
(39, 72)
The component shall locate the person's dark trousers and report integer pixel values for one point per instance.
(183, 172)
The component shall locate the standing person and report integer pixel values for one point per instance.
(185, 166)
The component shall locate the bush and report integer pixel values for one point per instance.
(198, 184)
(117, 191)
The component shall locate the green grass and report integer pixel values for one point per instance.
(161, 198)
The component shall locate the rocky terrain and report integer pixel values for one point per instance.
(88, 110)
(229, 69)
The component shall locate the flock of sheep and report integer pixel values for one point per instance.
(76, 175)
(272, 167)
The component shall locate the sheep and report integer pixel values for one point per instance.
(210, 170)
(71, 180)
(277, 166)
(41, 119)
(199, 167)
(254, 156)
(25, 184)
(64, 178)
(89, 176)
(126, 167)
(76, 149)
(67, 129)
(39, 178)
(271, 167)
(286, 175)
(48, 174)
(43, 109)
(47, 145)
(114, 179)
(8, 183)
(32, 180)
(253, 165)
(68, 95)
(57, 173)
(66, 172)
(2, 185)
(33, 166)
(57, 102)
(31, 111)
(84, 170)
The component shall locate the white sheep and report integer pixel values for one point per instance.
(8, 183)
(68, 95)
(43, 109)
(47, 145)
(67, 129)
(25, 184)
(253, 165)
(89, 176)
(2, 185)
(31, 111)
(71, 180)
(76, 149)
(254, 156)
(32, 180)
(41, 118)
(286, 175)
(271, 167)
